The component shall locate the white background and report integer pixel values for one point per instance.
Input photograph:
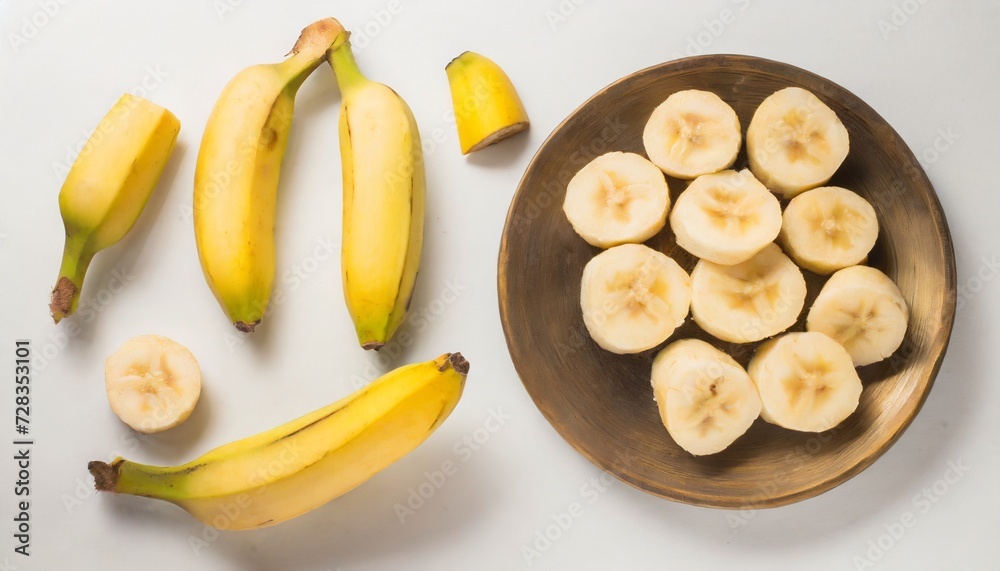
(929, 68)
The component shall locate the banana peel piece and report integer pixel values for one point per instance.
(487, 107)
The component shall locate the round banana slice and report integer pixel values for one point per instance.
(706, 399)
(633, 298)
(153, 383)
(828, 228)
(726, 217)
(795, 142)
(692, 133)
(617, 198)
(806, 382)
(749, 301)
(863, 310)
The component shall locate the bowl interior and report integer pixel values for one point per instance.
(602, 404)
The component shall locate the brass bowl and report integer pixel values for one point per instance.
(602, 403)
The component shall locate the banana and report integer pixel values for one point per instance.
(285, 472)
(153, 383)
(726, 217)
(633, 298)
(617, 198)
(236, 177)
(806, 382)
(487, 107)
(828, 228)
(706, 399)
(107, 188)
(383, 168)
(749, 301)
(692, 133)
(863, 310)
(795, 142)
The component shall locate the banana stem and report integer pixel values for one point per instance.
(124, 477)
(66, 294)
(345, 67)
(310, 49)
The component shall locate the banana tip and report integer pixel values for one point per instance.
(319, 34)
(376, 345)
(62, 298)
(105, 475)
(245, 327)
(459, 363)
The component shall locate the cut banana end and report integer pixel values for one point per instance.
(487, 107)
(749, 301)
(617, 198)
(692, 133)
(726, 217)
(795, 142)
(863, 310)
(828, 228)
(153, 383)
(806, 382)
(633, 298)
(706, 399)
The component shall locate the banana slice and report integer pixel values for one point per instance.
(153, 383)
(806, 382)
(749, 301)
(863, 310)
(633, 298)
(795, 142)
(726, 217)
(828, 228)
(617, 198)
(692, 133)
(706, 399)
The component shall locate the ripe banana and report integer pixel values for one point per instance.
(795, 142)
(706, 399)
(617, 198)
(285, 472)
(633, 298)
(749, 301)
(236, 177)
(153, 383)
(487, 107)
(806, 382)
(383, 168)
(692, 133)
(108, 187)
(726, 217)
(828, 228)
(863, 310)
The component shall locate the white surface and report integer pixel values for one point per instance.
(935, 74)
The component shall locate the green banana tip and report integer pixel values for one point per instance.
(105, 475)
(61, 301)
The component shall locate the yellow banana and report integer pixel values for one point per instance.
(108, 186)
(383, 227)
(487, 107)
(287, 471)
(236, 178)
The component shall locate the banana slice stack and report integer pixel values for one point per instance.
(746, 285)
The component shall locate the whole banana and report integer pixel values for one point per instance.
(285, 472)
(236, 178)
(383, 169)
(108, 187)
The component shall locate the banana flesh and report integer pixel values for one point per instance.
(285, 472)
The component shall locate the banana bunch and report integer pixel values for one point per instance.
(236, 177)
(747, 285)
(287, 471)
(383, 170)
(108, 187)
